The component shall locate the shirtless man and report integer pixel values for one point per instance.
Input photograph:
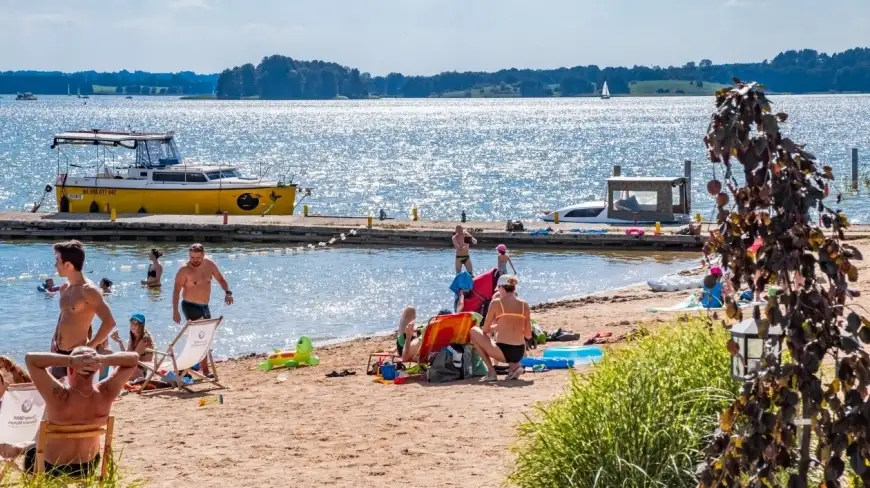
(80, 301)
(193, 286)
(461, 239)
(80, 403)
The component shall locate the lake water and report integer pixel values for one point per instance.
(327, 294)
(496, 159)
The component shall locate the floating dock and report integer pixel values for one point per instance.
(17, 226)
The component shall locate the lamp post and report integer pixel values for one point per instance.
(751, 347)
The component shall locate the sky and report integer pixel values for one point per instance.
(417, 36)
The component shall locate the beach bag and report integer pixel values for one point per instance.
(514, 226)
(478, 367)
(453, 363)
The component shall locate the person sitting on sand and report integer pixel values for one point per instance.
(140, 342)
(504, 260)
(711, 295)
(510, 319)
(155, 270)
(48, 286)
(410, 348)
(461, 240)
(81, 402)
(106, 286)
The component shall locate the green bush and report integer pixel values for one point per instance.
(637, 419)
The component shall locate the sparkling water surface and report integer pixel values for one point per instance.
(495, 159)
(327, 294)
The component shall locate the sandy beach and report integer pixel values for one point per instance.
(349, 431)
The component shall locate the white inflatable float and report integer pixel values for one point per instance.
(676, 283)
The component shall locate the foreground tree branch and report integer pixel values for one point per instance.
(767, 236)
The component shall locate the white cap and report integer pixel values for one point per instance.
(504, 280)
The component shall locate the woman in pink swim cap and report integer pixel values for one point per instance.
(504, 260)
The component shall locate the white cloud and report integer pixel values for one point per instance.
(182, 4)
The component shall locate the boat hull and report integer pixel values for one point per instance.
(254, 200)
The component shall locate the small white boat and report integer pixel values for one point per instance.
(632, 200)
(605, 92)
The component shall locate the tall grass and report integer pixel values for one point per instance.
(112, 480)
(637, 419)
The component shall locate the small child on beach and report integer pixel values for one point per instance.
(504, 260)
(711, 295)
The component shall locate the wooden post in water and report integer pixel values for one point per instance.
(854, 169)
(617, 170)
(687, 172)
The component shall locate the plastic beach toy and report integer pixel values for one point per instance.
(303, 356)
(550, 363)
(579, 354)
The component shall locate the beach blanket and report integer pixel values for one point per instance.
(692, 304)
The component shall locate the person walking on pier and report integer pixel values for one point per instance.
(193, 286)
(461, 240)
(80, 300)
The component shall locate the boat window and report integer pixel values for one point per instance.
(635, 201)
(179, 177)
(213, 175)
(196, 178)
(584, 213)
(229, 174)
(168, 177)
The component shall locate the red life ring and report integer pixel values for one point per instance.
(634, 231)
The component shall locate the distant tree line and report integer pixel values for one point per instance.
(137, 82)
(804, 71)
(283, 78)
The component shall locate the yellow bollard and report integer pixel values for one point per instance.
(698, 217)
(658, 228)
(555, 217)
(414, 213)
(114, 214)
(196, 209)
(369, 221)
(305, 210)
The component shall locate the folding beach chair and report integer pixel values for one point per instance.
(51, 431)
(20, 416)
(170, 366)
(440, 332)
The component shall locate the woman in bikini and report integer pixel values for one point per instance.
(510, 319)
(155, 270)
(140, 342)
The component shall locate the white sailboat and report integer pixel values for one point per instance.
(605, 92)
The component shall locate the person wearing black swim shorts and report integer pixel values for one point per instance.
(510, 319)
(461, 242)
(193, 289)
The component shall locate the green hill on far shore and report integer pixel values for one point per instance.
(673, 87)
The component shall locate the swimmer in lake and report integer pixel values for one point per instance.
(48, 286)
(106, 286)
(155, 270)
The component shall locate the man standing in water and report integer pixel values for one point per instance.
(80, 300)
(193, 286)
(461, 239)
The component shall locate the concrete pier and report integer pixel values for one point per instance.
(312, 230)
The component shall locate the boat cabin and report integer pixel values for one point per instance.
(633, 200)
(648, 199)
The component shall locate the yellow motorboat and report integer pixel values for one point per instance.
(158, 182)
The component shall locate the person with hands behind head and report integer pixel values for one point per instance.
(79, 402)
